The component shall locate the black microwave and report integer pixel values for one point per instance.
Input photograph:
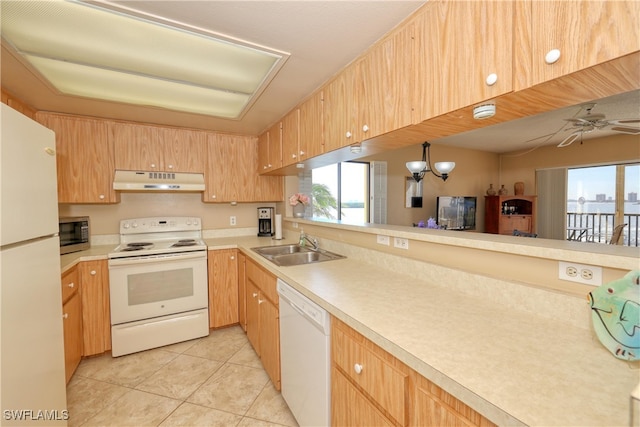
(74, 234)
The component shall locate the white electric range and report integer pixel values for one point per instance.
(158, 284)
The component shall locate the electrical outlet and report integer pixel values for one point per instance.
(580, 273)
(401, 243)
(295, 225)
(232, 220)
(383, 240)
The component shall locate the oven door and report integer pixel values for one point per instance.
(151, 286)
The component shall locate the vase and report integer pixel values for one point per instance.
(503, 191)
(298, 210)
(491, 191)
(518, 188)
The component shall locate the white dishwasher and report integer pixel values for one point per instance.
(305, 357)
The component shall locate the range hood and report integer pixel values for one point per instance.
(157, 181)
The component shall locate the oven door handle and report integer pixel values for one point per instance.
(116, 262)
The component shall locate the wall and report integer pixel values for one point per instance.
(473, 173)
(105, 219)
(608, 150)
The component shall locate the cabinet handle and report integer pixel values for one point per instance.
(65, 316)
(491, 79)
(170, 166)
(71, 285)
(93, 272)
(232, 257)
(101, 197)
(301, 153)
(260, 301)
(213, 196)
(348, 134)
(153, 165)
(264, 167)
(365, 128)
(255, 294)
(293, 156)
(552, 56)
(358, 368)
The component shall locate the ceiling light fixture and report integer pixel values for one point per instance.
(356, 148)
(484, 111)
(419, 168)
(121, 55)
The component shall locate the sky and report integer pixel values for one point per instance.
(587, 182)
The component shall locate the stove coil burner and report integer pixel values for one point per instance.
(137, 246)
(184, 242)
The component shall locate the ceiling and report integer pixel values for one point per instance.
(322, 37)
(549, 128)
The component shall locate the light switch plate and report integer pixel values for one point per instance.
(383, 240)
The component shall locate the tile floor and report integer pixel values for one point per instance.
(213, 381)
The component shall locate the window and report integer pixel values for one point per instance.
(341, 191)
(601, 197)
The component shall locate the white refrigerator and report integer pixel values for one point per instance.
(32, 390)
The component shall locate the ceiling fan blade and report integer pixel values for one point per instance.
(626, 122)
(627, 130)
(568, 140)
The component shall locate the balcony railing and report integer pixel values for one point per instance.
(600, 227)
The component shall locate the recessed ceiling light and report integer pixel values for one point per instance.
(90, 51)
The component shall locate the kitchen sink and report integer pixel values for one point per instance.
(289, 255)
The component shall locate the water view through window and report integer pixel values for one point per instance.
(341, 191)
(600, 197)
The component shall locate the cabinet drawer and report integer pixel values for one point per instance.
(70, 284)
(264, 280)
(350, 408)
(373, 370)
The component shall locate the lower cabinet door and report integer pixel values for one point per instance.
(72, 325)
(270, 339)
(253, 316)
(349, 407)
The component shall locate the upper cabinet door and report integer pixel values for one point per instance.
(340, 110)
(311, 142)
(386, 85)
(137, 147)
(291, 138)
(184, 150)
(464, 54)
(85, 159)
(582, 34)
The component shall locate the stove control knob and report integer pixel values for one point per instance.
(125, 225)
(195, 221)
(134, 225)
(188, 221)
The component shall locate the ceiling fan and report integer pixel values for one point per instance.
(592, 122)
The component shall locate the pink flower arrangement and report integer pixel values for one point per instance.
(299, 198)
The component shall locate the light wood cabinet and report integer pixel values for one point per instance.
(231, 172)
(96, 316)
(371, 387)
(84, 159)
(340, 110)
(386, 85)
(459, 45)
(72, 321)
(585, 33)
(311, 142)
(270, 149)
(435, 407)
(155, 148)
(242, 291)
(503, 214)
(380, 379)
(263, 328)
(291, 138)
(223, 287)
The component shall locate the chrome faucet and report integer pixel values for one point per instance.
(304, 238)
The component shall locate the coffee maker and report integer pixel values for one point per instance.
(265, 222)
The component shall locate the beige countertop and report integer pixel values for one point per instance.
(513, 366)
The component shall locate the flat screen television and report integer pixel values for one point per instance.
(456, 212)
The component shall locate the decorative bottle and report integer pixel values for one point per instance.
(503, 191)
(491, 191)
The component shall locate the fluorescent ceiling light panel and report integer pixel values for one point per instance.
(92, 52)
